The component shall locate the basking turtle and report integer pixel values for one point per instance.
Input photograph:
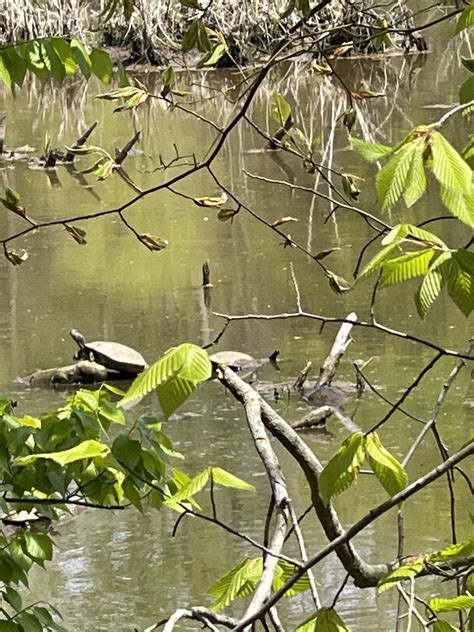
(235, 360)
(112, 355)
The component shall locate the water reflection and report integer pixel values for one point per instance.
(124, 570)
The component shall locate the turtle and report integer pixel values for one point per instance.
(112, 355)
(235, 360)
(326, 395)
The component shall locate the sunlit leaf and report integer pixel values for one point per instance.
(453, 551)
(407, 571)
(343, 468)
(371, 151)
(461, 280)
(101, 65)
(326, 620)
(283, 572)
(238, 582)
(38, 545)
(454, 604)
(82, 57)
(448, 166)
(281, 109)
(174, 376)
(406, 267)
(338, 284)
(432, 284)
(226, 479)
(84, 450)
(388, 470)
(466, 19)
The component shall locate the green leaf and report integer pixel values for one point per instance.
(461, 280)
(448, 166)
(468, 63)
(212, 57)
(371, 151)
(453, 551)
(190, 38)
(416, 180)
(454, 604)
(226, 479)
(283, 572)
(432, 284)
(65, 54)
(466, 91)
(15, 64)
(379, 259)
(407, 571)
(39, 546)
(101, 65)
(13, 598)
(127, 451)
(174, 376)
(460, 203)
(406, 267)
(4, 73)
(85, 450)
(466, 19)
(281, 109)
(385, 466)
(82, 57)
(343, 468)
(194, 486)
(238, 582)
(443, 626)
(392, 180)
(326, 620)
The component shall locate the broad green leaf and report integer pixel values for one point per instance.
(226, 479)
(194, 486)
(416, 180)
(466, 91)
(55, 63)
(448, 166)
(454, 604)
(406, 267)
(238, 582)
(385, 466)
(65, 54)
(29, 622)
(468, 63)
(461, 280)
(326, 620)
(4, 73)
(407, 571)
(283, 572)
(378, 260)
(281, 109)
(174, 376)
(432, 284)
(392, 179)
(38, 59)
(13, 597)
(453, 551)
(460, 203)
(212, 57)
(443, 626)
(466, 19)
(132, 494)
(9, 626)
(191, 37)
(127, 451)
(85, 450)
(82, 57)
(371, 151)
(15, 64)
(343, 468)
(101, 65)
(38, 546)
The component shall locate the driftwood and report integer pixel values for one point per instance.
(83, 372)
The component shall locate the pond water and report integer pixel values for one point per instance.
(124, 571)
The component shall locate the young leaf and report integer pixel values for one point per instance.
(283, 572)
(451, 552)
(461, 280)
(85, 450)
(101, 65)
(38, 546)
(448, 166)
(406, 267)
(416, 181)
(466, 91)
(343, 468)
(239, 581)
(82, 57)
(78, 234)
(460, 203)
(194, 486)
(385, 466)
(281, 109)
(432, 284)
(226, 479)
(454, 604)
(443, 626)
(174, 376)
(407, 571)
(377, 261)
(371, 151)
(392, 179)
(466, 19)
(326, 620)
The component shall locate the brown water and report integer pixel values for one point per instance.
(125, 571)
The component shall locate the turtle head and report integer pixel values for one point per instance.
(78, 337)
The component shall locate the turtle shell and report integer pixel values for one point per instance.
(329, 395)
(235, 360)
(115, 355)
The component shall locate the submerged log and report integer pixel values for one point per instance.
(83, 372)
